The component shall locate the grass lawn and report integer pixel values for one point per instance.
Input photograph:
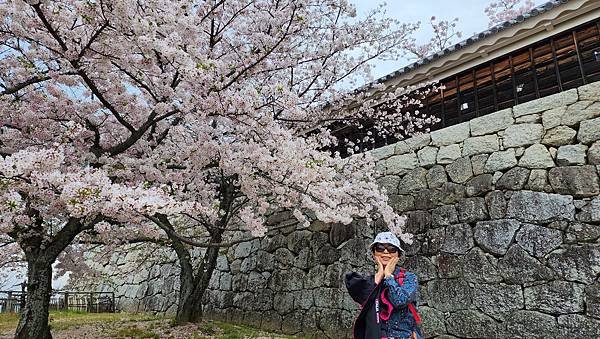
(81, 325)
(8, 321)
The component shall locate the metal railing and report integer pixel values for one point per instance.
(92, 302)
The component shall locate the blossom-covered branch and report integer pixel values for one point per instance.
(505, 10)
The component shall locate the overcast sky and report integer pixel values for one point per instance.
(471, 19)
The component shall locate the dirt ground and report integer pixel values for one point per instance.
(133, 326)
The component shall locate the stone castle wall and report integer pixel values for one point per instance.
(506, 215)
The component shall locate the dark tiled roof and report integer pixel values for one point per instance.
(469, 41)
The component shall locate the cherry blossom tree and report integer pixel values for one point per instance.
(445, 33)
(171, 122)
(505, 10)
(47, 201)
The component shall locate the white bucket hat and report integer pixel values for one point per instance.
(387, 238)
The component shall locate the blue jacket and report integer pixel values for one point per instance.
(401, 322)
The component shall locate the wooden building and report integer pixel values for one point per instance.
(553, 48)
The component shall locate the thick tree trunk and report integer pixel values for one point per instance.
(193, 284)
(189, 309)
(33, 323)
(41, 254)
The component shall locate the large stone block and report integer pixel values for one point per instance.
(578, 326)
(531, 325)
(383, 152)
(447, 154)
(578, 181)
(292, 322)
(576, 263)
(571, 155)
(479, 267)
(523, 135)
(450, 135)
(590, 212)
(271, 321)
(389, 183)
(536, 156)
(422, 267)
(427, 156)
(340, 233)
(514, 179)
(479, 185)
(592, 293)
(540, 207)
(327, 254)
(458, 239)
(222, 264)
(444, 215)
(479, 145)
(478, 163)
(518, 267)
(538, 240)
(496, 203)
(413, 181)
(529, 119)
(434, 240)
(495, 236)
(257, 281)
(552, 101)
(579, 111)
(451, 193)
(590, 91)
(433, 322)
(400, 164)
(402, 203)
(538, 180)
(578, 232)
(589, 131)
(425, 199)
(555, 297)
(264, 261)
(499, 161)
(491, 123)
(558, 136)
(436, 177)
(242, 250)
(460, 171)
(472, 324)
(296, 241)
(449, 265)
(449, 294)
(553, 117)
(412, 144)
(472, 209)
(417, 222)
(498, 300)
(593, 154)
(354, 253)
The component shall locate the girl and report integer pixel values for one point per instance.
(388, 298)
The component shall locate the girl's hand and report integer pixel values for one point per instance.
(390, 267)
(380, 271)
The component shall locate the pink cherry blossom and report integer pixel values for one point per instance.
(505, 10)
(170, 122)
